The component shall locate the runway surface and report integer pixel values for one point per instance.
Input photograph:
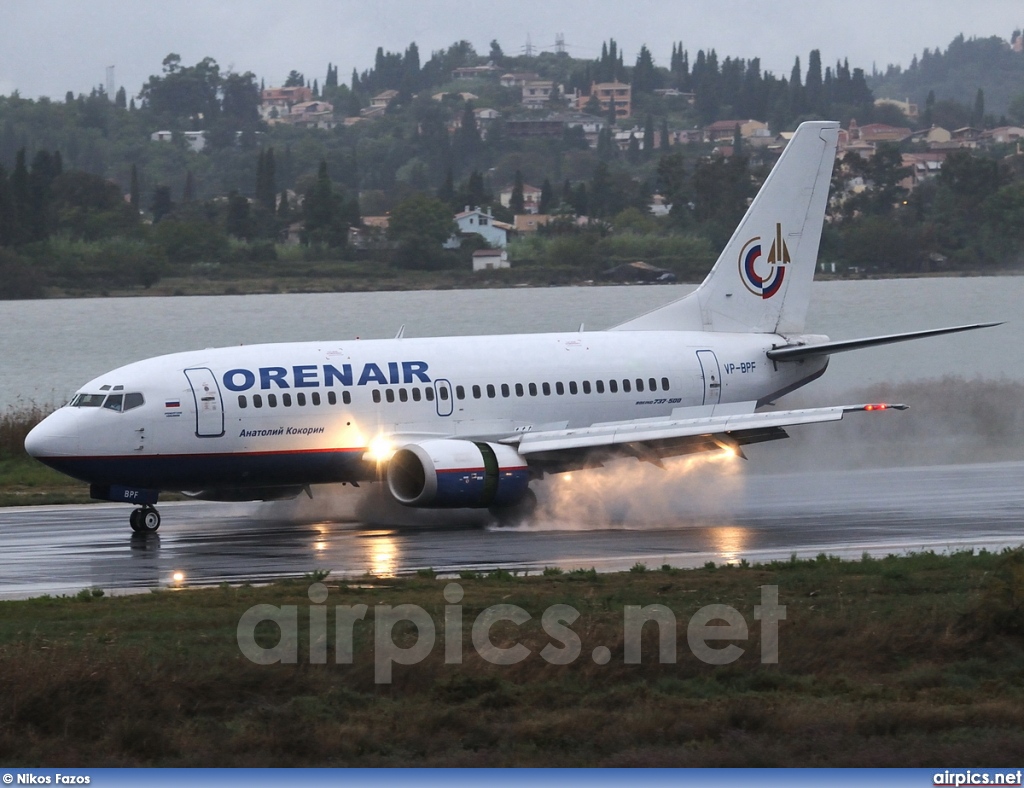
(63, 549)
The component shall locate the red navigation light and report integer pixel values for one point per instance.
(879, 406)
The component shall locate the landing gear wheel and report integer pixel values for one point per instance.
(145, 520)
(519, 514)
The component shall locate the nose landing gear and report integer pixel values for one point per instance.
(145, 520)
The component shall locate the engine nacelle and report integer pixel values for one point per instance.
(456, 474)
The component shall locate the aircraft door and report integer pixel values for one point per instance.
(712, 376)
(443, 397)
(209, 405)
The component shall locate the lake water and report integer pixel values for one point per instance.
(52, 347)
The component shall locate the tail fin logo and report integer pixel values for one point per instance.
(778, 258)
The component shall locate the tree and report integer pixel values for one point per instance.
(547, 197)
(189, 193)
(238, 220)
(266, 180)
(648, 146)
(516, 202)
(420, 225)
(978, 116)
(162, 204)
(325, 214)
(294, 80)
(133, 190)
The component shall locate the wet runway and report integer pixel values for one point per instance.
(710, 517)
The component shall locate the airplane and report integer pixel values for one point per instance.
(453, 422)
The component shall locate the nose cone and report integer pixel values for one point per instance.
(54, 436)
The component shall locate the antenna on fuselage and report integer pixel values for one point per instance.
(401, 332)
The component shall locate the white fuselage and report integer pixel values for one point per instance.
(309, 412)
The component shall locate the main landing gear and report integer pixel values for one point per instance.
(145, 520)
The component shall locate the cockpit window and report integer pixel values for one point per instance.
(114, 402)
(88, 400)
(133, 400)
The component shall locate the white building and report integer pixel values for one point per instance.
(196, 140)
(490, 259)
(481, 223)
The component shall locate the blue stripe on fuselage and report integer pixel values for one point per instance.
(202, 471)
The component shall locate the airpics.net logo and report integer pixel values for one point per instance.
(974, 777)
(711, 624)
(778, 258)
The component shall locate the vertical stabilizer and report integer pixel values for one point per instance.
(762, 280)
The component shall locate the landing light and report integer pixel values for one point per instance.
(178, 577)
(380, 449)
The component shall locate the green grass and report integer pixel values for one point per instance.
(915, 661)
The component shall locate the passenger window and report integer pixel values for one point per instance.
(257, 400)
(403, 395)
(332, 398)
(416, 395)
(300, 399)
(315, 396)
(653, 384)
(241, 401)
(505, 392)
(600, 387)
(613, 386)
(490, 390)
(533, 389)
(114, 402)
(443, 393)
(664, 384)
(133, 400)
(639, 384)
(429, 394)
(573, 389)
(376, 395)
(272, 400)
(286, 400)
(546, 388)
(559, 388)
(476, 392)
(625, 385)
(460, 392)
(586, 386)
(389, 395)
(519, 389)
(346, 397)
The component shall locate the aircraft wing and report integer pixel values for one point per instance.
(688, 431)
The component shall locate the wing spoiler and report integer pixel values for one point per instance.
(794, 352)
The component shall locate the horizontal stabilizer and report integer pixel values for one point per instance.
(794, 352)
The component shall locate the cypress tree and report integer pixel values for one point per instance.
(516, 202)
(189, 193)
(133, 189)
(649, 136)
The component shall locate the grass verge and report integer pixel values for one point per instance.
(912, 661)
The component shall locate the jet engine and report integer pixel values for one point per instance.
(456, 474)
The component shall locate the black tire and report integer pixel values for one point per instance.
(135, 520)
(518, 514)
(149, 520)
